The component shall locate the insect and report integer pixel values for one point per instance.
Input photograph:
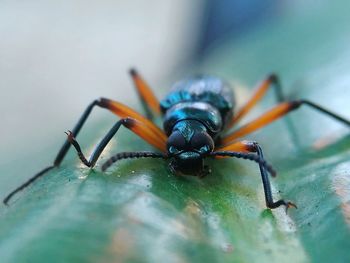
(198, 114)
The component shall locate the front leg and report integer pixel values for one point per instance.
(132, 124)
(141, 126)
(267, 185)
(249, 146)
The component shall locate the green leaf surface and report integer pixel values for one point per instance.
(139, 212)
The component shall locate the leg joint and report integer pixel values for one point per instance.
(273, 78)
(252, 146)
(128, 122)
(102, 102)
(94, 103)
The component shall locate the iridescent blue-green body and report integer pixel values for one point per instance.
(196, 111)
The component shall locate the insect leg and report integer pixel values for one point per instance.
(131, 120)
(124, 111)
(276, 113)
(61, 154)
(248, 146)
(65, 147)
(117, 108)
(131, 124)
(271, 81)
(267, 185)
(149, 101)
(238, 146)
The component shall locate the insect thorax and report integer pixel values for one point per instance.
(203, 98)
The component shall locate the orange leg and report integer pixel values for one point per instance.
(130, 119)
(258, 94)
(156, 136)
(132, 124)
(276, 113)
(238, 146)
(147, 97)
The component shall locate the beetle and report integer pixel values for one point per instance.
(198, 115)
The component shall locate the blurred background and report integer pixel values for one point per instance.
(57, 56)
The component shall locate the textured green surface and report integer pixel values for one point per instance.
(139, 212)
(142, 213)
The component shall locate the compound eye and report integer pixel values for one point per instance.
(176, 142)
(202, 141)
